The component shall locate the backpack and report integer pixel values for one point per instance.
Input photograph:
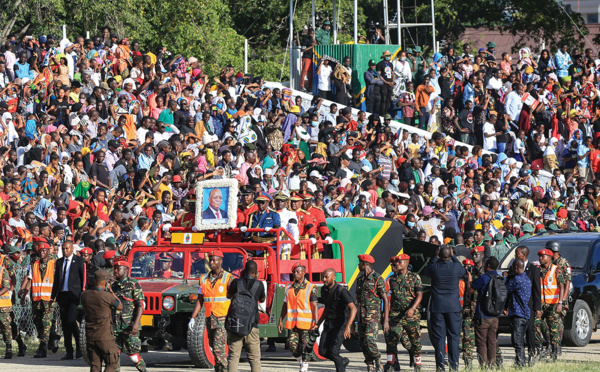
(243, 309)
(494, 297)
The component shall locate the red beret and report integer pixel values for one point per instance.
(545, 252)
(478, 249)
(366, 258)
(44, 246)
(468, 262)
(109, 254)
(297, 265)
(86, 251)
(404, 256)
(122, 261)
(215, 253)
(39, 239)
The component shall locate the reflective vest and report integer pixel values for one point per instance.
(41, 288)
(2, 257)
(5, 298)
(461, 292)
(550, 289)
(215, 296)
(299, 312)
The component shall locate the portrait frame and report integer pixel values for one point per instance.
(207, 208)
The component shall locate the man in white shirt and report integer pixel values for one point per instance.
(324, 71)
(489, 133)
(513, 103)
(162, 135)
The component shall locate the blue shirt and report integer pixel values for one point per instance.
(518, 288)
(480, 285)
(582, 150)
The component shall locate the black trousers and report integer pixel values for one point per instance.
(374, 100)
(530, 334)
(330, 344)
(68, 302)
(442, 326)
(518, 327)
(386, 99)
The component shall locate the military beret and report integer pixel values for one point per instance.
(366, 258)
(215, 253)
(44, 246)
(109, 254)
(545, 252)
(468, 262)
(297, 265)
(478, 249)
(122, 261)
(86, 251)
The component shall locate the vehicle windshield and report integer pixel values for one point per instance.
(575, 251)
(232, 262)
(157, 265)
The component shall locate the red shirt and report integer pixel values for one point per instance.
(595, 160)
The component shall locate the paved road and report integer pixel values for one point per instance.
(280, 361)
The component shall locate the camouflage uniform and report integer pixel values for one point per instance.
(298, 338)
(130, 293)
(467, 337)
(565, 268)
(217, 334)
(369, 292)
(548, 325)
(43, 312)
(5, 318)
(403, 290)
(11, 267)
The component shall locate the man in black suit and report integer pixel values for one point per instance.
(214, 211)
(414, 172)
(444, 310)
(261, 141)
(535, 300)
(68, 285)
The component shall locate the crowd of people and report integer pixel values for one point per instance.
(102, 143)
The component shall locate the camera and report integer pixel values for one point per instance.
(372, 31)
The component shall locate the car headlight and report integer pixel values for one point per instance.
(168, 303)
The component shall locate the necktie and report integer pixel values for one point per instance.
(218, 214)
(64, 276)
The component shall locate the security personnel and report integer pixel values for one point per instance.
(188, 219)
(212, 294)
(300, 311)
(39, 282)
(6, 311)
(316, 219)
(166, 261)
(98, 304)
(247, 205)
(528, 230)
(553, 286)
(468, 301)
(370, 291)
(299, 250)
(289, 221)
(478, 257)
(263, 218)
(90, 268)
(406, 291)
(565, 268)
(127, 320)
(11, 264)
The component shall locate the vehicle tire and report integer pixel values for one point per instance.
(352, 344)
(83, 342)
(579, 332)
(198, 346)
(315, 354)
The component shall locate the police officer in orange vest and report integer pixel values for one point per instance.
(39, 282)
(300, 310)
(212, 293)
(553, 284)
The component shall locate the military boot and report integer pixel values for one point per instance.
(554, 353)
(411, 358)
(9, 353)
(388, 367)
(559, 350)
(41, 351)
(468, 363)
(499, 361)
(417, 368)
(378, 367)
(22, 347)
(371, 368)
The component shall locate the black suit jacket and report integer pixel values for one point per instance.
(444, 284)
(76, 276)
(261, 141)
(533, 273)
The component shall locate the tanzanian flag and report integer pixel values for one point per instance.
(382, 238)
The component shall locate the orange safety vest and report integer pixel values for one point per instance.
(550, 289)
(215, 296)
(41, 288)
(299, 312)
(461, 292)
(5, 298)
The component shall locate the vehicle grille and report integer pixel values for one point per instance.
(152, 304)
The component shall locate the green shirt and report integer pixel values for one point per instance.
(323, 37)
(403, 290)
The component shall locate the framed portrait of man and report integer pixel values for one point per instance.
(216, 205)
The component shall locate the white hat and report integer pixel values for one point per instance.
(402, 209)
(316, 174)
(208, 138)
(268, 172)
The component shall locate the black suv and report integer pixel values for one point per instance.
(582, 250)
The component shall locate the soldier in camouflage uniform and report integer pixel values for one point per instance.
(214, 285)
(127, 320)
(11, 264)
(42, 307)
(5, 311)
(370, 291)
(468, 302)
(565, 268)
(406, 291)
(553, 288)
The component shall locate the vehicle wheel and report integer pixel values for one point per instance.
(352, 344)
(198, 346)
(83, 342)
(579, 332)
(315, 355)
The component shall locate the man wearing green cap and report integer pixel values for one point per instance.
(528, 230)
(499, 249)
(491, 47)
(323, 34)
(553, 227)
(417, 64)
